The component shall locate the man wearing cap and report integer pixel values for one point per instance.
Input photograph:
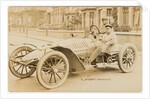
(109, 38)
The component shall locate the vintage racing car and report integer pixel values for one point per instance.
(53, 62)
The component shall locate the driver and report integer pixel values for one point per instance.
(109, 37)
(104, 41)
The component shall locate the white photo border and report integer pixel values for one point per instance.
(4, 48)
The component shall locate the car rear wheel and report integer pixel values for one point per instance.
(52, 69)
(127, 58)
(16, 65)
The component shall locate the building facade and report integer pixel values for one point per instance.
(130, 16)
(65, 18)
(26, 16)
(123, 19)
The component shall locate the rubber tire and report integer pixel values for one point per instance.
(10, 63)
(39, 66)
(125, 46)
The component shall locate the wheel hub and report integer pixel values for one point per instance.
(129, 57)
(55, 70)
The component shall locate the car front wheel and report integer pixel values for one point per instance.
(52, 69)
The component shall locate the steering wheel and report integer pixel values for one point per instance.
(94, 31)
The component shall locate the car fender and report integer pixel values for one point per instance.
(74, 62)
(14, 46)
(37, 53)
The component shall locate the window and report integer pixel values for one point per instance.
(109, 12)
(72, 18)
(91, 18)
(125, 15)
(136, 18)
(99, 18)
(133, 17)
(63, 16)
(84, 20)
(67, 20)
(49, 15)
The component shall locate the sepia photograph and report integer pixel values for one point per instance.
(75, 49)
